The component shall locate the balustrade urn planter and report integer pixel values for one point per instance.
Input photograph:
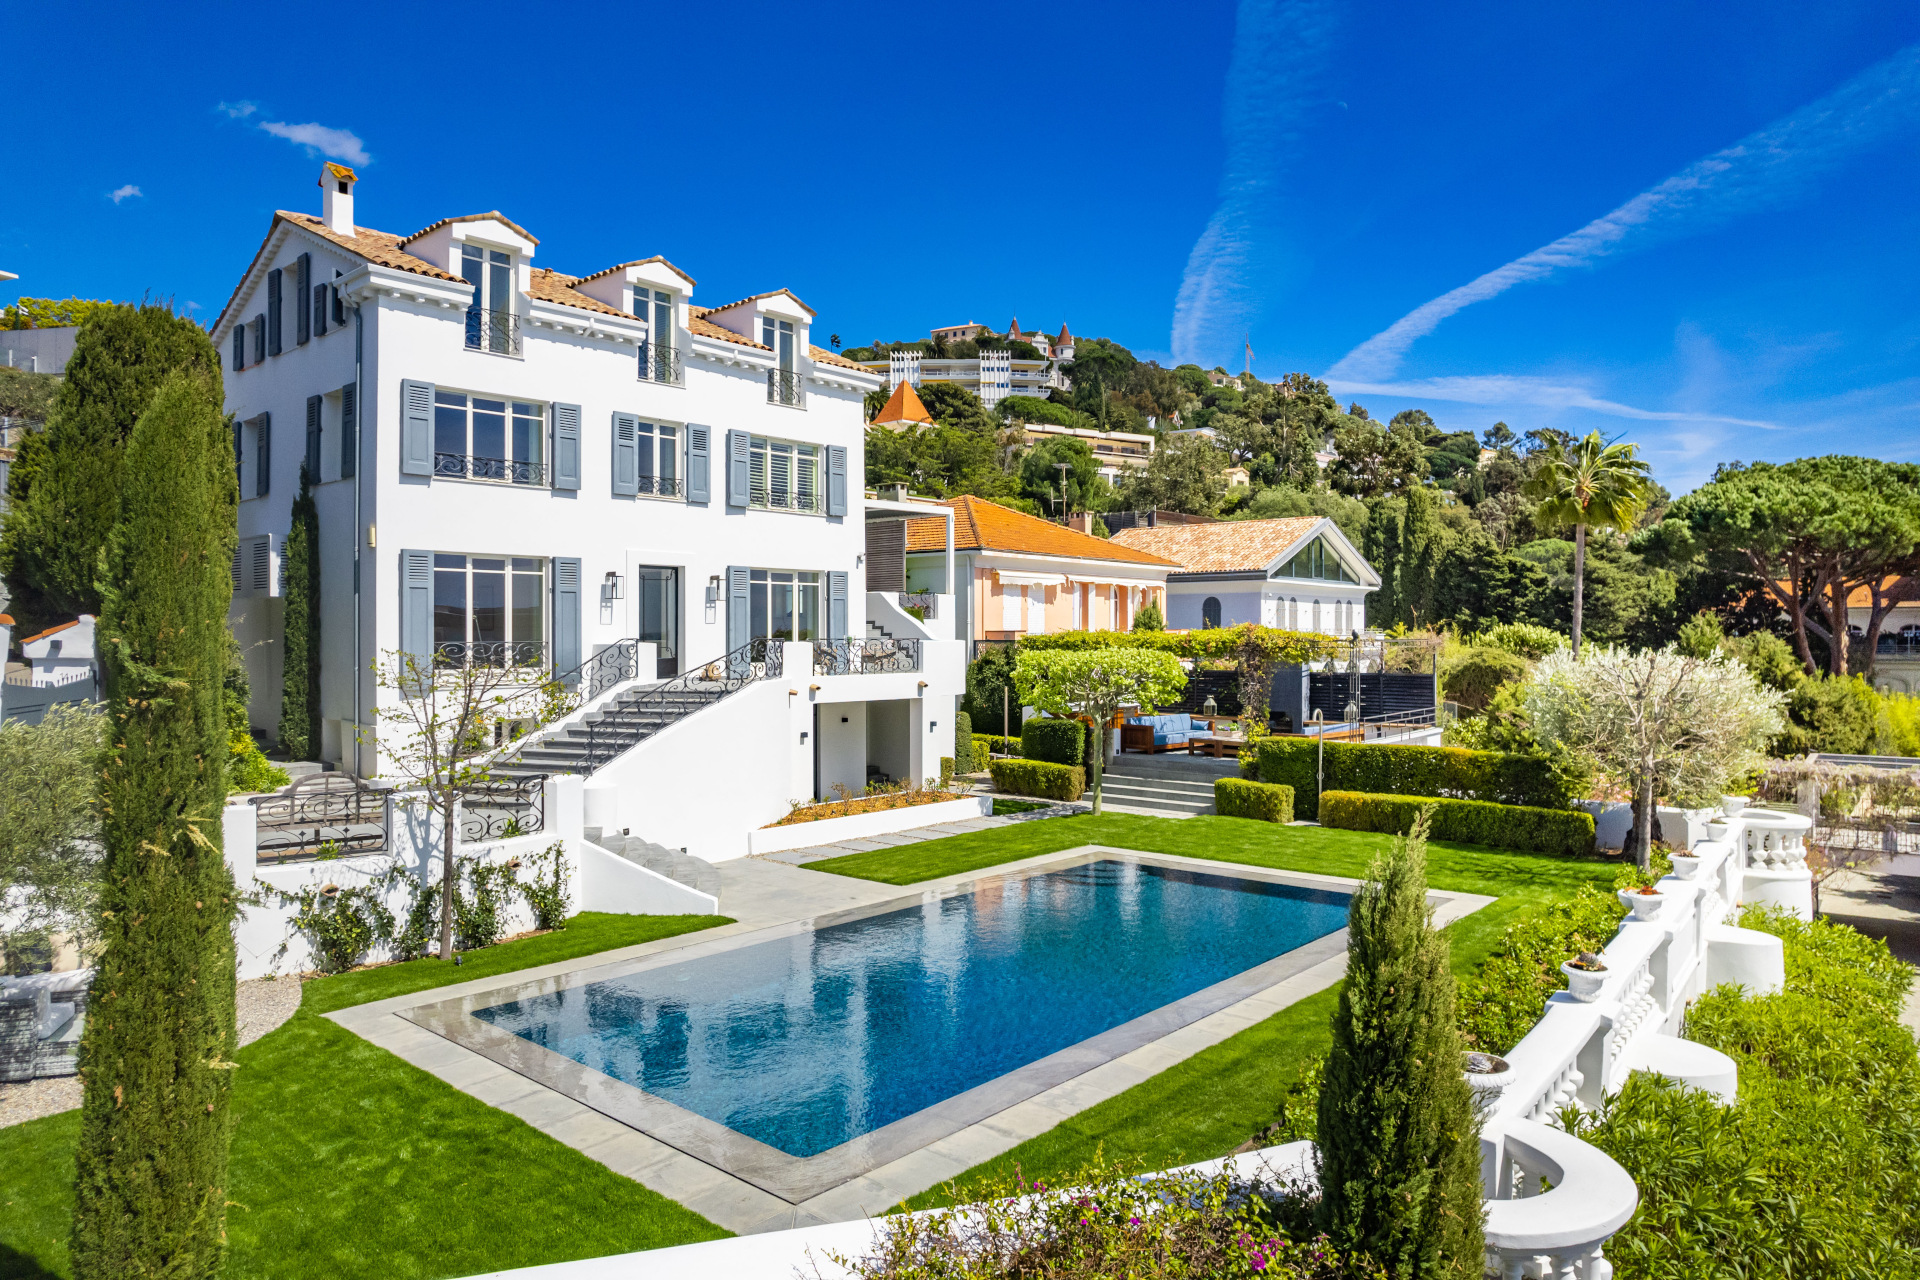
(1731, 805)
(1487, 1074)
(1645, 906)
(1584, 984)
(1685, 865)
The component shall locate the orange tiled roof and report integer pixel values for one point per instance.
(551, 286)
(641, 262)
(979, 525)
(1905, 590)
(492, 215)
(768, 294)
(701, 327)
(823, 356)
(378, 247)
(1228, 546)
(904, 406)
(50, 631)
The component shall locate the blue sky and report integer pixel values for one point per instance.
(1695, 231)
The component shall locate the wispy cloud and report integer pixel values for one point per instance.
(1277, 75)
(1532, 392)
(1764, 168)
(124, 193)
(319, 139)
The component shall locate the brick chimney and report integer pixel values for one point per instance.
(336, 197)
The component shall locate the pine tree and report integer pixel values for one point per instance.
(300, 671)
(1398, 1144)
(150, 1191)
(52, 542)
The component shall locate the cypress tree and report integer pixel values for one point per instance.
(300, 671)
(1386, 521)
(150, 1190)
(1398, 1143)
(52, 541)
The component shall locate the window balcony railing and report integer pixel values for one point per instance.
(660, 362)
(663, 486)
(865, 657)
(783, 387)
(502, 470)
(497, 332)
(785, 500)
(503, 654)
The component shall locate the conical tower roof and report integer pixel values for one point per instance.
(903, 409)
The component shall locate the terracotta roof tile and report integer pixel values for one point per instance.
(492, 215)
(641, 262)
(768, 294)
(1227, 546)
(56, 630)
(701, 327)
(379, 247)
(979, 525)
(904, 406)
(552, 286)
(823, 356)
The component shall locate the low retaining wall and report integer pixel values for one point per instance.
(856, 826)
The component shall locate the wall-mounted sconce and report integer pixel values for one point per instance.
(612, 587)
(803, 738)
(713, 591)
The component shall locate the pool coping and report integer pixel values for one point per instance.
(996, 1114)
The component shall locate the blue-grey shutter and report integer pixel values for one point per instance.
(739, 607)
(836, 605)
(273, 312)
(302, 297)
(626, 455)
(739, 443)
(836, 480)
(416, 616)
(698, 466)
(339, 303)
(349, 432)
(416, 428)
(566, 618)
(312, 462)
(259, 337)
(319, 309)
(566, 446)
(263, 467)
(239, 346)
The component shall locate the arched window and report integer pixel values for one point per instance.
(1210, 612)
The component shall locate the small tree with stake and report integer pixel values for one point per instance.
(438, 736)
(1398, 1141)
(1096, 683)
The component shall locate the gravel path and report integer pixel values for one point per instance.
(261, 1006)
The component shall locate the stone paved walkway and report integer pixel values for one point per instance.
(897, 839)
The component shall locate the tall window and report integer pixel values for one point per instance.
(785, 604)
(1315, 560)
(1210, 612)
(491, 325)
(489, 611)
(783, 476)
(659, 360)
(783, 380)
(659, 458)
(487, 439)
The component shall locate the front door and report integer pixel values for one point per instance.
(657, 591)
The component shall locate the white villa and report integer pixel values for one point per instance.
(1299, 573)
(587, 476)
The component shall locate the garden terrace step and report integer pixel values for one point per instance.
(1131, 792)
(695, 873)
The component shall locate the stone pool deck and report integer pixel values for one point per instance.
(939, 831)
(765, 894)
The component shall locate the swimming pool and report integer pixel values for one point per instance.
(810, 1041)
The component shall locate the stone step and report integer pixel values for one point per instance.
(695, 873)
(1170, 785)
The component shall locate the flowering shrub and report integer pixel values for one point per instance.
(1108, 1223)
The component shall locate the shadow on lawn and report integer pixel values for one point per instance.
(15, 1265)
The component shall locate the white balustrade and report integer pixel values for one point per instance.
(1558, 1232)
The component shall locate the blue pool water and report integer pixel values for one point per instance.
(808, 1041)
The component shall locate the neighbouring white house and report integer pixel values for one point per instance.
(1298, 574)
(61, 654)
(588, 477)
(991, 375)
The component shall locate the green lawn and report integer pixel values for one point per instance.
(1219, 1098)
(347, 1162)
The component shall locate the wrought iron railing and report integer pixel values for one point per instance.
(783, 500)
(324, 813)
(660, 362)
(926, 602)
(596, 741)
(783, 387)
(500, 809)
(531, 654)
(615, 664)
(509, 470)
(665, 486)
(494, 331)
(865, 657)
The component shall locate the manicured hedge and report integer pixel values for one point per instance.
(1038, 778)
(1238, 798)
(1498, 826)
(987, 743)
(1056, 741)
(963, 743)
(1448, 772)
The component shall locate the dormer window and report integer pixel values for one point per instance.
(659, 357)
(492, 325)
(783, 380)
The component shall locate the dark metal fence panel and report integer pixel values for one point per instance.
(1380, 693)
(504, 808)
(326, 813)
(865, 657)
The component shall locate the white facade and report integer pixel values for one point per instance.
(993, 375)
(1318, 582)
(548, 464)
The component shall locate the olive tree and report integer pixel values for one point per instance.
(1096, 683)
(1659, 721)
(50, 822)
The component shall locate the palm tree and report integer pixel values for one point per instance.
(1589, 484)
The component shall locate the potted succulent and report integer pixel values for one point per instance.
(1487, 1074)
(1644, 901)
(1586, 974)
